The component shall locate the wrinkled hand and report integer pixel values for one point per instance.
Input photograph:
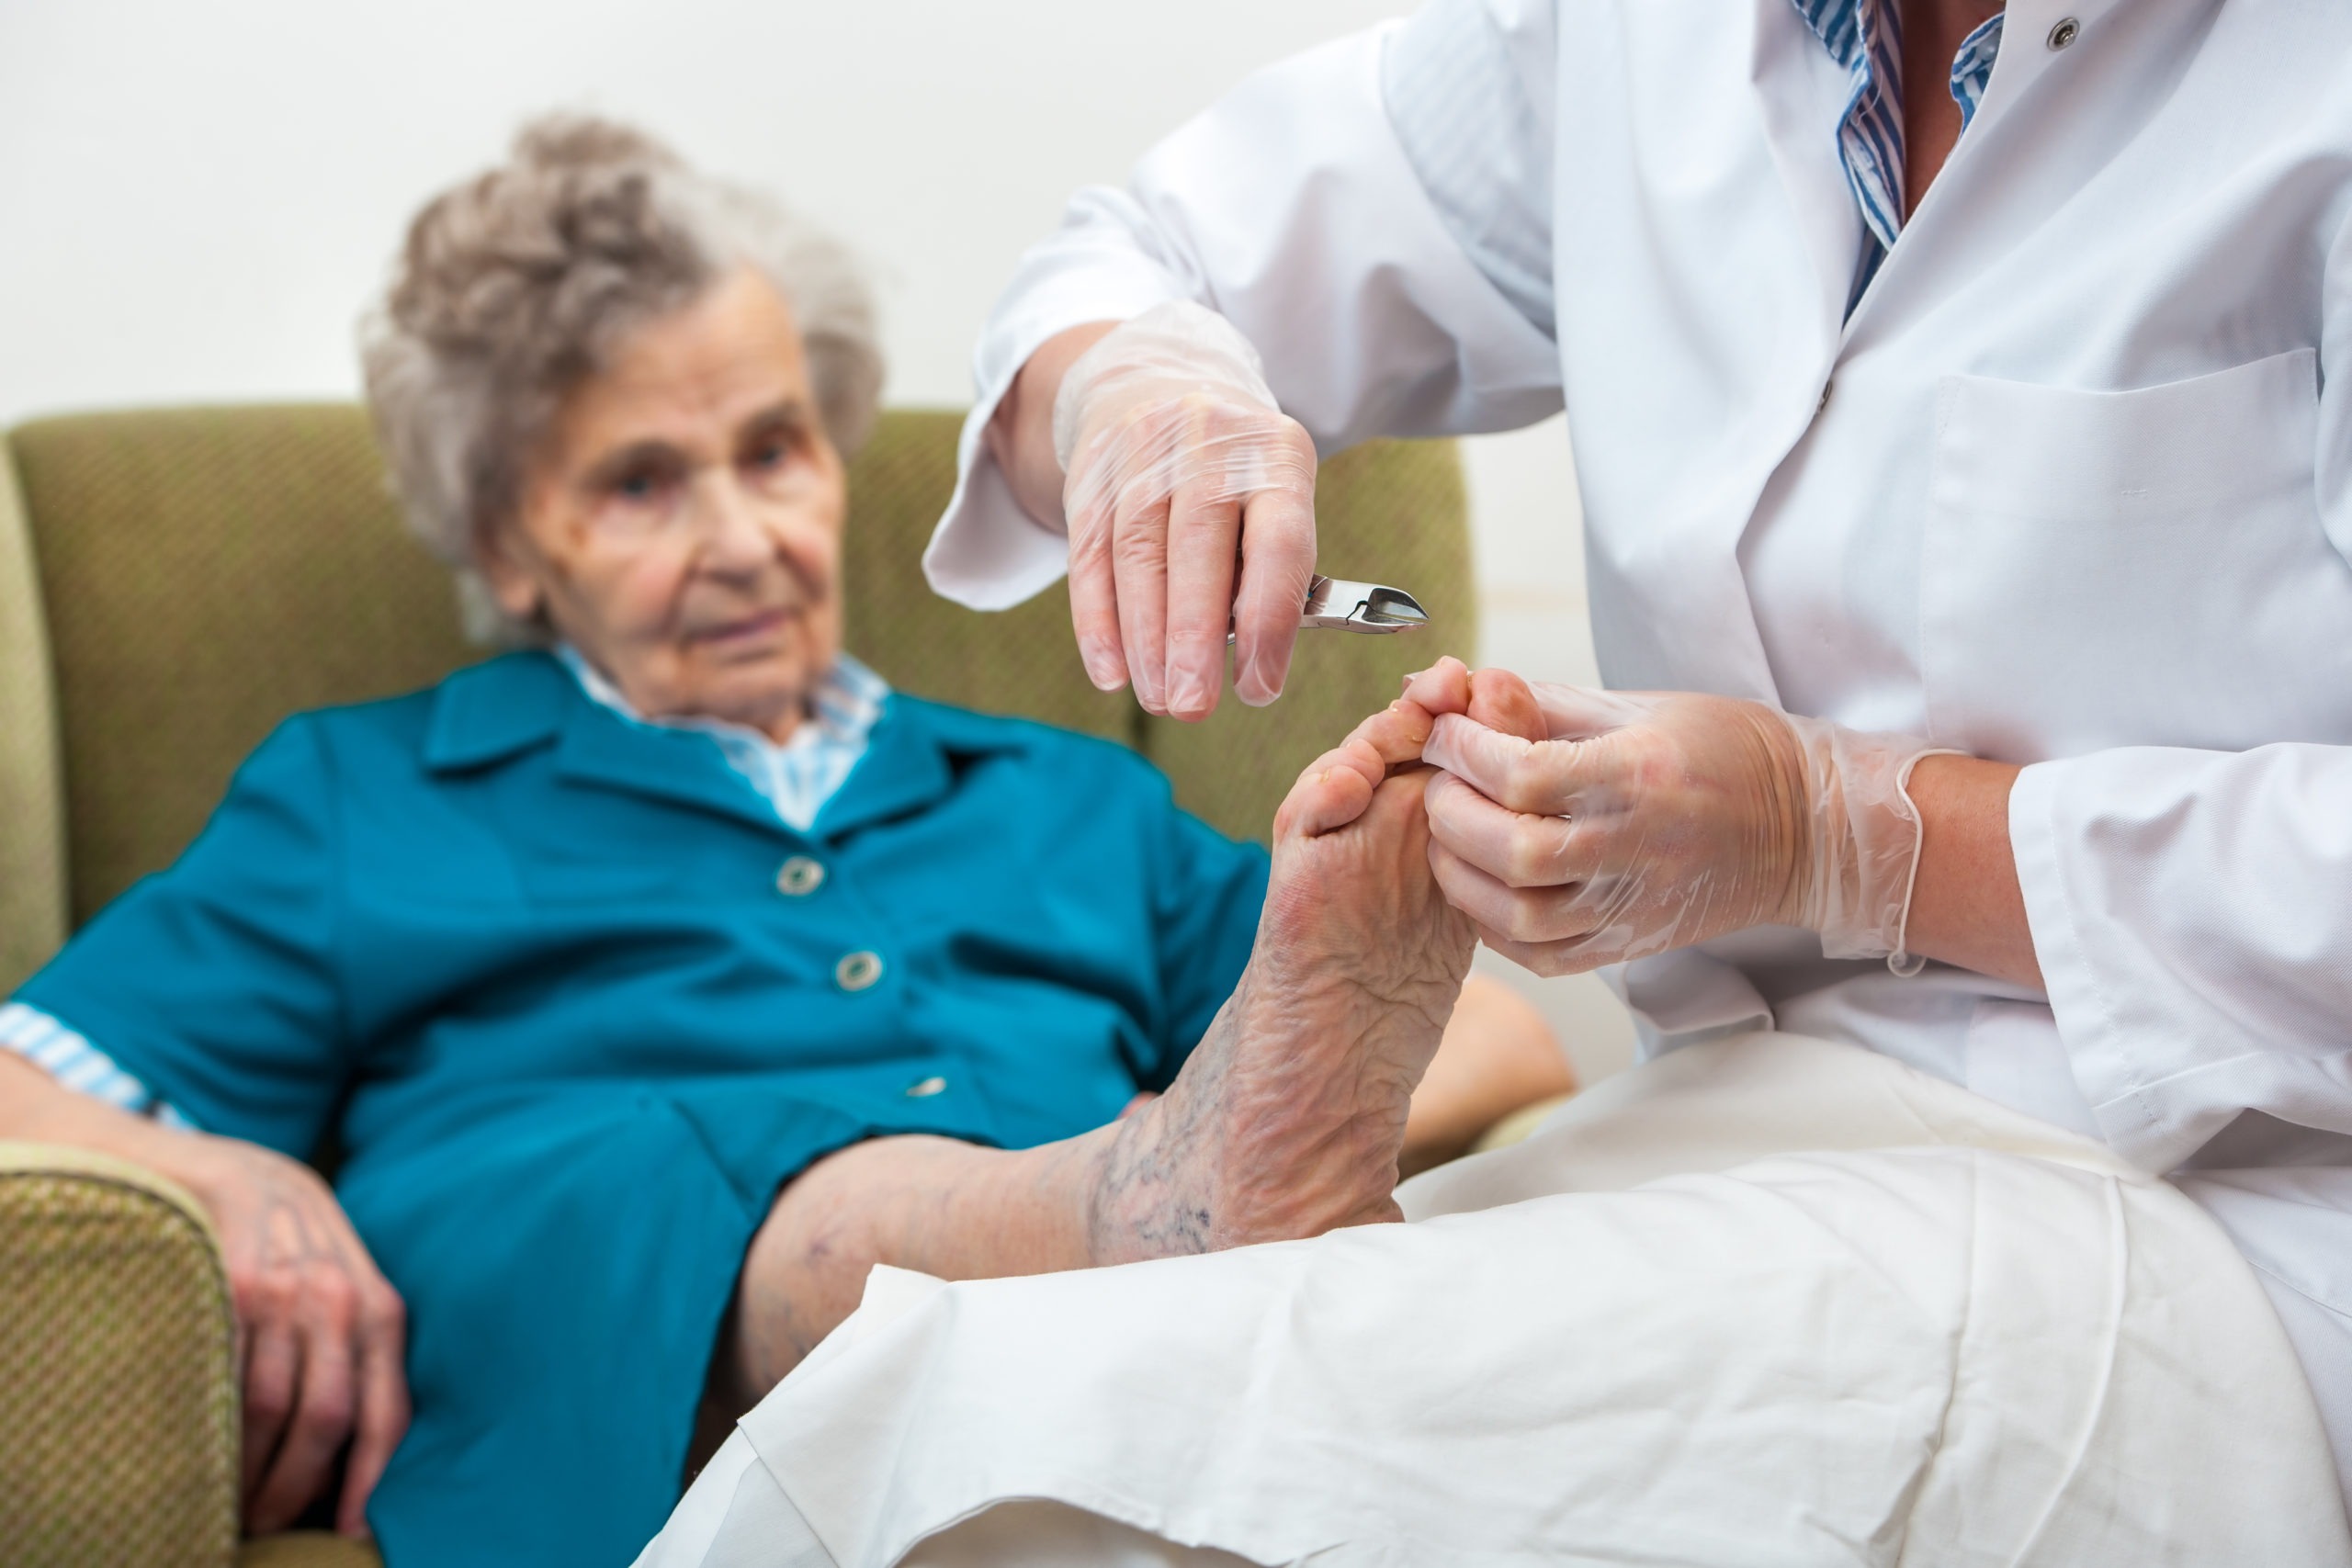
(319, 1332)
(1580, 828)
(1183, 474)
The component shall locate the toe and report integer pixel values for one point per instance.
(1330, 793)
(1501, 700)
(1443, 687)
(1338, 786)
(1396, 734)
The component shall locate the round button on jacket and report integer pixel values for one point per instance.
(926, 1088)
(800, 877)
(2067, 30)
(857, 970)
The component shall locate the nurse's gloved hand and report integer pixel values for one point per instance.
(1191, 505)
(1580, 827)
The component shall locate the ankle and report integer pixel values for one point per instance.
(1141, 1199)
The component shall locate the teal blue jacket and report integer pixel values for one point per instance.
(541, 974)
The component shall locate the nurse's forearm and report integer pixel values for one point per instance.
(1967, 907)
(1021, 433)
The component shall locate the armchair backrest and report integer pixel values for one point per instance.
(174, 582)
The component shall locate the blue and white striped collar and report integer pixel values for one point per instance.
(1866, 37)
(798, 776)
(1972, 68)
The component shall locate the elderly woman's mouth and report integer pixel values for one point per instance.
(747, 629)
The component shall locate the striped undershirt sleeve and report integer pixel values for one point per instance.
(70, 1058)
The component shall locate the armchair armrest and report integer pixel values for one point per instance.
(116, 1391)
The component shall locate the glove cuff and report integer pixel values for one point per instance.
(1864, 838)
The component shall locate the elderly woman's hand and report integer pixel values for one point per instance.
(320, 1331)
(1581, 827)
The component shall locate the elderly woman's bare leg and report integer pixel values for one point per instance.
(1286, 1122)
(934, 1204)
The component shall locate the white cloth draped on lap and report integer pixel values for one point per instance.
(1764, 1301)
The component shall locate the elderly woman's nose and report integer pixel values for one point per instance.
(735, 527)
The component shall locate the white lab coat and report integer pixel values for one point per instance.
(2070, 487)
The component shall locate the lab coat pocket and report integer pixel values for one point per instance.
(2140, 568)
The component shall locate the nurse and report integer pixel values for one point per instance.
(1958, 405)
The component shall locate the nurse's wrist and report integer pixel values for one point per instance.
(1020, 435)
(1968, 907)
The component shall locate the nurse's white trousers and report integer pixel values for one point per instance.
(1765, 1300)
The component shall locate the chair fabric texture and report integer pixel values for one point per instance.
(32, 803)
(207, 572)
(307, 1549)
(172, 585)
(116, 1398)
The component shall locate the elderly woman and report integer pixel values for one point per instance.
(657, 980)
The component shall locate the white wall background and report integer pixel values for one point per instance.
(197, 200)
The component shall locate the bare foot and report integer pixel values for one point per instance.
(1288, 1118)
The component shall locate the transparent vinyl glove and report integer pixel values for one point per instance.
(1580, 828)
(1191, 505)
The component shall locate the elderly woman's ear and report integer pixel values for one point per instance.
(512, 587)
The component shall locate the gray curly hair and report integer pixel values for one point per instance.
(513, 287)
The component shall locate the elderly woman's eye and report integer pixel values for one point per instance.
(649, 483)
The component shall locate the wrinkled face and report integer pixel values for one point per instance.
(682, 525)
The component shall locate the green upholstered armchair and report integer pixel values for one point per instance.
(172, 584)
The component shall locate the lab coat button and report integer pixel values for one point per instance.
(2065, 32)
(800, 877)
(926, 1088)
(857, 970)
